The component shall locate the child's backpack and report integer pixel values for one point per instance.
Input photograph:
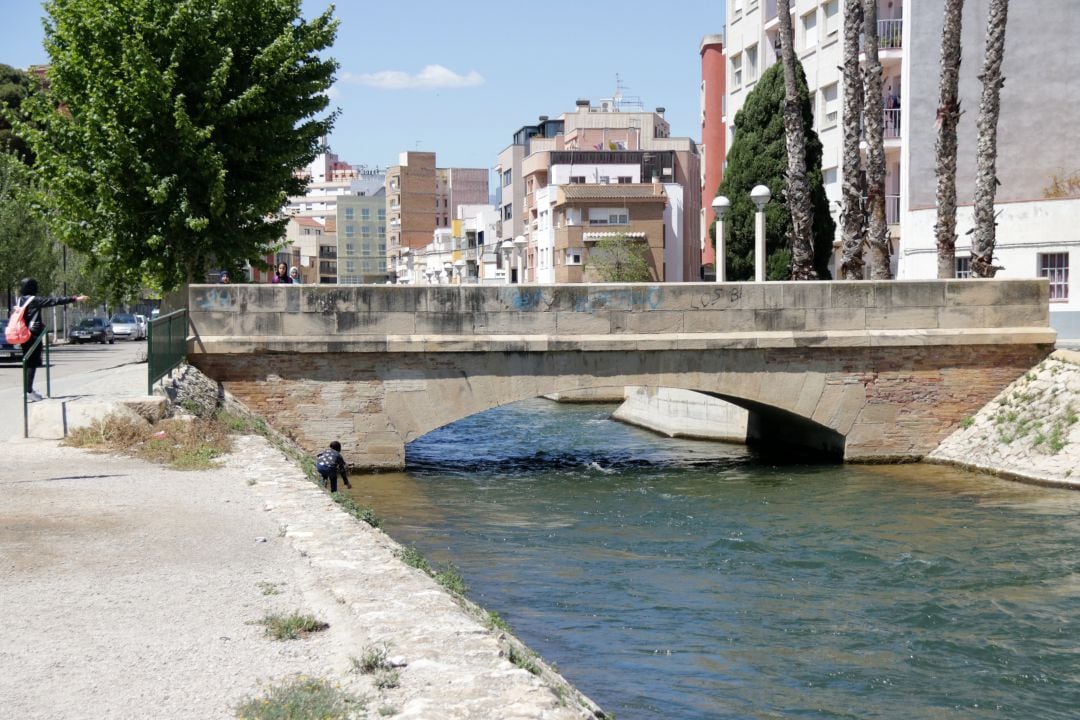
(17, 331)
(324, 461)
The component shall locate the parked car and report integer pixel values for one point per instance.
(92, 330)
(126, 326)
(9, 352)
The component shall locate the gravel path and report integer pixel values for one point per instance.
(131, 591)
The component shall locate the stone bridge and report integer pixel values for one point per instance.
(866, 371)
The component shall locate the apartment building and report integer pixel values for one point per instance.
(713, 137)
(616, 144)
(361, 238)
(1038, 227)
(421, 198)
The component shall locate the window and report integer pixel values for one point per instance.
(350, 266)
(736, 70)
(382, 230)
(829, 178)
(832, 19)
(736, 7)
(963, 267)
(350, 248)
(508, 177)
(605, 179)
(350, 231)
(573, 256)
(625, 179)
(751, 64)
(508, 211)
(830, 106)
(382, 213)
(1056, 267)
(809, 29)
(365, 231)
(577, 179)
(365, 213)
(349, 214)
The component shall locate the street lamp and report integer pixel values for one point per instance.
(720, 206)
(507, 248)
(520, 242)
(760, 195)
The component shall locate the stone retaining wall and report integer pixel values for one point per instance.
(1030, 431)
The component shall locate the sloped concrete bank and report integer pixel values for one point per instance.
(1029, 432)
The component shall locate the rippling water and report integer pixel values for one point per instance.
(682, 579)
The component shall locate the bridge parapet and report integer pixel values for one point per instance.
(365, 318)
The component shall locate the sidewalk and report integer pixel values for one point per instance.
(76, 400)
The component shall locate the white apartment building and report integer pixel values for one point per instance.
(462, 254)
(1036, 236)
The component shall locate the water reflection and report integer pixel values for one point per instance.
(694, 580)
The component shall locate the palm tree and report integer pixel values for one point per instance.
(948, 116)
(798, 184)
(852, 219)
(873, 118)
(986, 182)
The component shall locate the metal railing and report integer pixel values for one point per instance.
(166, 346)
(42, 338)
(890, 34)
(891, 123)
(892, 209)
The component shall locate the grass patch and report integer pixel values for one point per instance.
(387, 679)
(388, 711)
(183, 444)
(373, 658)
(452, 580)
(302, 699)
(414, 558)
(291, 626)
(494, 621)
(967, 422)
(525, 660)
(268, 588)
(358, 511)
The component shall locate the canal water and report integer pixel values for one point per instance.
(692, 580)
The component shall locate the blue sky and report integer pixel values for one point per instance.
(459, 78)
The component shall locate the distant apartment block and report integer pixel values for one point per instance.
(361, 238)
(421, 198)
(648, 188)
(1038, 232)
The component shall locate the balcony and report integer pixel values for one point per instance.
(890, 34)
(890, 125)
(327, 253)
(892, 209)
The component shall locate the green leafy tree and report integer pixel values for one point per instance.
(25, 247)
(170, 130)
(15, 86)
(758, 157)
(619, 258)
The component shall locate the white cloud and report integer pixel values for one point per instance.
(431, 76)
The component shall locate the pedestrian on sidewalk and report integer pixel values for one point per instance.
(28, 296)
(329, 463)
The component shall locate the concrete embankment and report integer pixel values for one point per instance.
(1029, 432)
(683, 413)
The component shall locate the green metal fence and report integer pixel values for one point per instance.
(166, 346)
(42, 338)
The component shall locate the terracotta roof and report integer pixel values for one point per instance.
(612, 192)
(305, 221)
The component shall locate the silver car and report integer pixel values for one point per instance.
(126, 327)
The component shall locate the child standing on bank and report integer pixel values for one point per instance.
(329, 463)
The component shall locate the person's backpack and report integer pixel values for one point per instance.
(324, 461)
(17, 331)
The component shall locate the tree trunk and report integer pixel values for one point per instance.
(873, 120)
(986, 182)
(798, 183)
(852, 220)
(948, 116)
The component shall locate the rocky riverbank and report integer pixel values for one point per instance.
(1029, 432)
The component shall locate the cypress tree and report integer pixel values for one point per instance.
(758, 156)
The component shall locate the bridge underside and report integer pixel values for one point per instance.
(863, 403)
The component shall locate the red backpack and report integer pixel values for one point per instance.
(17, 331)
